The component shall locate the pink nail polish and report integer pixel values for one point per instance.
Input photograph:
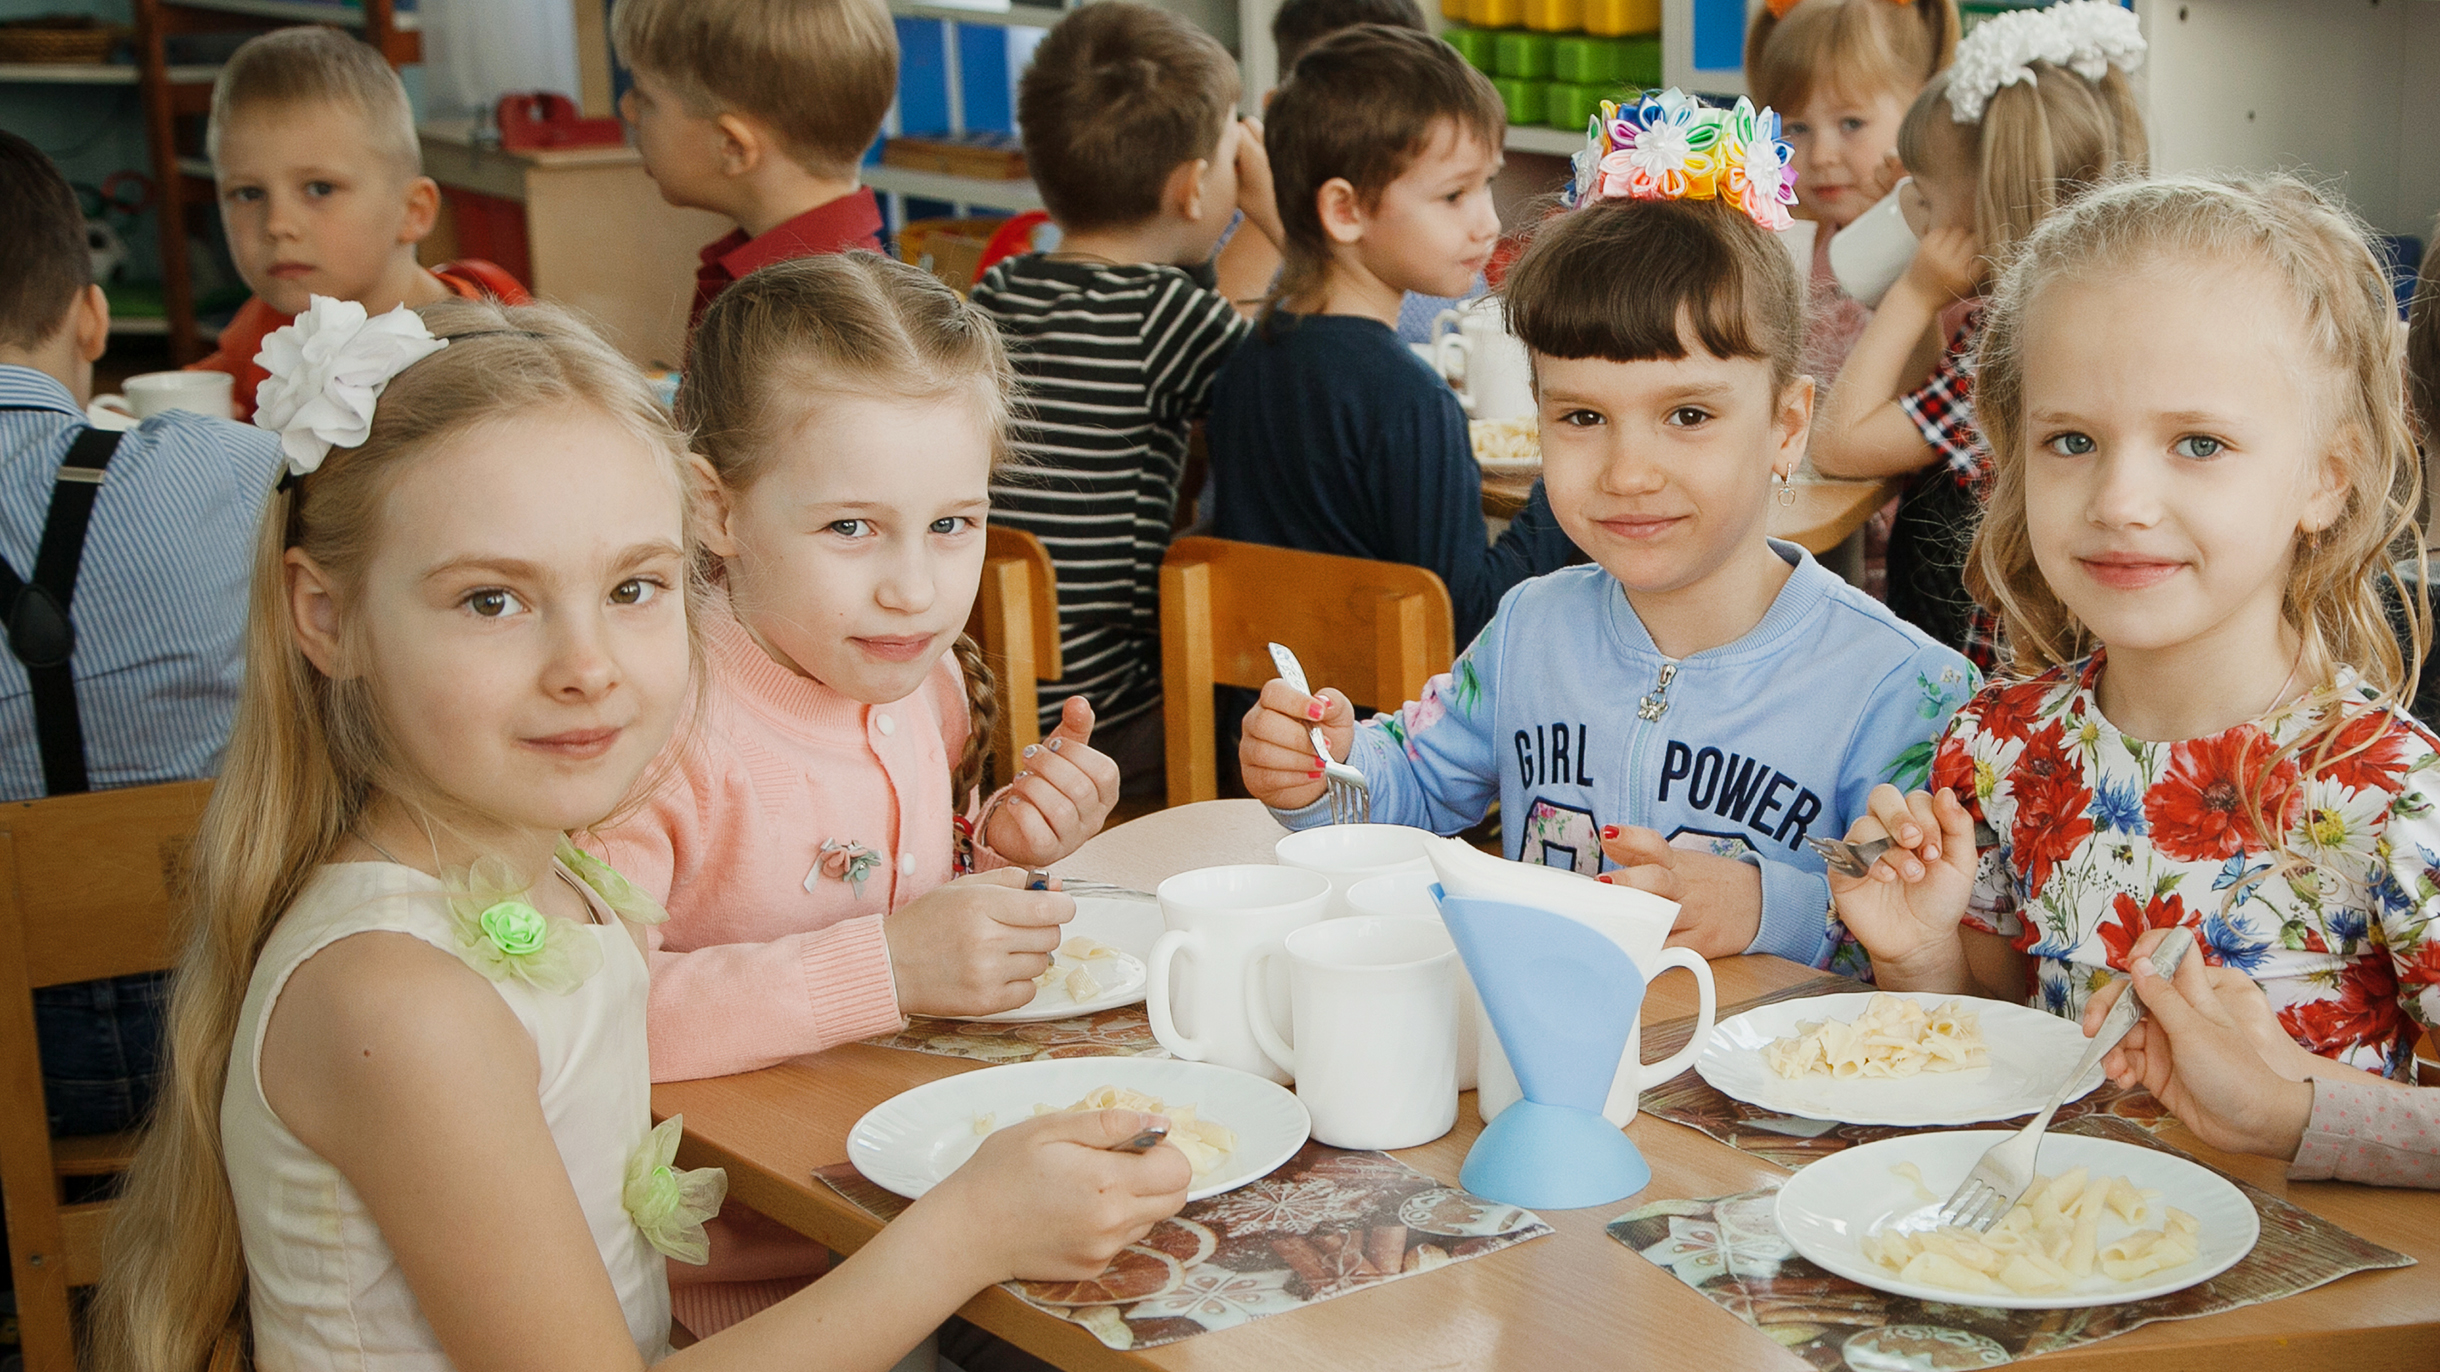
(1315, 710)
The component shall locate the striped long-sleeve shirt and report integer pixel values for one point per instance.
(160, 605)
(1117, 363)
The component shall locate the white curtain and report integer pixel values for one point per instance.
(476, 51)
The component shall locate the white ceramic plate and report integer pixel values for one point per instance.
(1130, 926)
(1825, 1208)
(2030, 1050)
(914, 1140)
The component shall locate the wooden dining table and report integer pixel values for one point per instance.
(1574, 1299)
(1824, 513)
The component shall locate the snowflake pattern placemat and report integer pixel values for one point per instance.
(1326, 1223)
(1730, 1249)
(1125, 1032)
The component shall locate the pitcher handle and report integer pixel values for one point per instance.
(1706, 1006)
(1258, 1008)
(1165, 950)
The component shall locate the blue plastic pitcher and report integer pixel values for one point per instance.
(1563, 999)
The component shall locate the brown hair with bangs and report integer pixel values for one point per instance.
(1361, 106)
(1857, 47)
(1120, 94)
(1632, 280)
(821, 73)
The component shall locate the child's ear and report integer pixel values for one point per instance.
(1341, 211)
(1792, 426)
(1182, 195)
(91, 320)
(423, 210)
(713, 508)
(313, 613)
(2325, 498)
(743, 144)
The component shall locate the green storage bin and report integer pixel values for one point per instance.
(1528, 102)
(1480, 47)
(1636, 61)
(1580, 60)
(1572, 106)
(1525, 56)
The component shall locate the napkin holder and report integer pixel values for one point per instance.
(1564, 998)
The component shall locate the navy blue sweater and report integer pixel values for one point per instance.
(1328, 435)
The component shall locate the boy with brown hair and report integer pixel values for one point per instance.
(322, 191)
(1327, 434)
(1131, 129)
(761, 111)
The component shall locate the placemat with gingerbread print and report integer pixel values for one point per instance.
(1326, 1223)
(1124, 1032)
(1730, 1249)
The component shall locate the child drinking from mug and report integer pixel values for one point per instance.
(2036, 109)
(408, 1123)
(2201, 456)
(1769, 696)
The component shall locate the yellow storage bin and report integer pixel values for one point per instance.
(1495, 14)
(1453, 10)
(1554, 16)
(1610, 18)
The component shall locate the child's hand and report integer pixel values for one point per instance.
(1719, 899)
(1060, 799)
(1883, 179)
(1275, 752)
(1255, 194)
(1947, 266)
(1905, 911)
(2199, 1053)
(1045, 1198)
(974, 946)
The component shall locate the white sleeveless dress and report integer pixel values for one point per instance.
(325, 1291)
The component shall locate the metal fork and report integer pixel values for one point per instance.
(2006, 1171)
(1856, 859)
(1350, 794)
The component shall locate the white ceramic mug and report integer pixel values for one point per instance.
(1637, 921)
(153, 392)
(1409, 895)
(1220, 917)
(1871, 253)
(1348, 853)
(1483, 362)
(1375, 1028)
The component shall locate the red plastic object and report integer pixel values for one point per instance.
(1014, 237)
(491, 228)
(538, 120)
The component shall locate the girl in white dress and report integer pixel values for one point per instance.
(408, 1125)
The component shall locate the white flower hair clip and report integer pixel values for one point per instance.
(327, 370)
(2087, 37)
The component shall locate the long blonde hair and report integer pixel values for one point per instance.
(797, 334)
(2038, 145)
(305, 755)
(2320, 255)
(1856, 47)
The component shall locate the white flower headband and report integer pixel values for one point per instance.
(2087, 37)
(327, 369)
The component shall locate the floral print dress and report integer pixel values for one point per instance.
(2103, 836)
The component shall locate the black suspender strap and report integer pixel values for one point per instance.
(40, 633)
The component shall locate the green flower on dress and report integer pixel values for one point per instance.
(669, 1204)
(624, 897)
(500, 934)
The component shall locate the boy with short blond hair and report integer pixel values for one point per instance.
(1327, 434)
(322, 191)
(761, 111)
(1131, 131)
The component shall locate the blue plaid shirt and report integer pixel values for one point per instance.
(160, 606)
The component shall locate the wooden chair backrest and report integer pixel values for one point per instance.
(1016, 620)
(1376, 630)
(86, 886)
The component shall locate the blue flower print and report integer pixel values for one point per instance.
(2347, 927)
(2117, 807)
(2054, 993)
(2231, 947)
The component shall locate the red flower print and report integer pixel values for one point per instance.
(2424, 969)
(2007, 712)
(2363, 1012)
(2369, 754)
(2197, 810)
(2051, 800)
(2128, 922)
(1953, 767)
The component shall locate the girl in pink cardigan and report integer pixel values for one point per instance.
(848, 411)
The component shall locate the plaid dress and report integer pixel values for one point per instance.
(1940, 508)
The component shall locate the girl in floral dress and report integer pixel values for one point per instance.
(2191, 391)
(408, 1124)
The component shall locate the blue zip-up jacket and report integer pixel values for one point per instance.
(1565, 710)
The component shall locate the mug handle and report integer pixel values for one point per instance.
(1448, 318)
(1156, 992)
(1453, 358)
(1707, 1005)
(1258, 1008)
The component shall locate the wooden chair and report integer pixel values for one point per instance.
(1016, 620)
(1376, 630)
(85, 885)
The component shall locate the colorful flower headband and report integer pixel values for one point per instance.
(1671, 147)
(2087, 37)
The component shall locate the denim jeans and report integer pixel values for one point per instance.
(101, 1051)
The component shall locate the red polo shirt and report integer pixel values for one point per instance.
(843, 225)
